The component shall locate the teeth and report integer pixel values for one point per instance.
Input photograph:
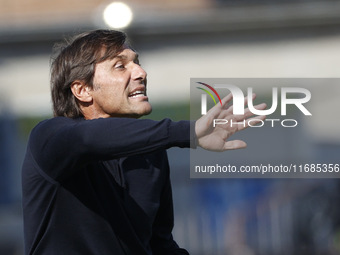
(137, 93)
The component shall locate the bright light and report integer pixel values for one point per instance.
(117, 15)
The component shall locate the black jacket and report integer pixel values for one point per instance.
(100, 186)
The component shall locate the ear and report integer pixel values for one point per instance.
(81, 91)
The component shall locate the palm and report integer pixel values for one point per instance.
(216, 138)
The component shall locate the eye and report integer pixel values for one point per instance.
(119, 65)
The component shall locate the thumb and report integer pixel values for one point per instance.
(234, 144)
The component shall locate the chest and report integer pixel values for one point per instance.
(140, 178)
(135, 183)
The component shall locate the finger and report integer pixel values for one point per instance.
(216, 110)
(261, 106)
(234, 145)
(245, 102)
(247, 113)
(226, 99)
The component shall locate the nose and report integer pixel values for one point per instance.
(138, 73)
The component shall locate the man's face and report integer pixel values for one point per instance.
(119, 87)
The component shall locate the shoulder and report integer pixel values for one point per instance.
(48, 127)
(56, 122)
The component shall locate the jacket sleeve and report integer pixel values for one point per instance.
(162, 242)
(64, 144)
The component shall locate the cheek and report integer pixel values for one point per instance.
(111, 90)
(118, 84)
(114, 96)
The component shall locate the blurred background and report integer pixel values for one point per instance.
(178, 40)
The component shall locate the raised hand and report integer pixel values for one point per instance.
(215, 137)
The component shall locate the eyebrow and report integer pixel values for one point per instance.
(124, 56)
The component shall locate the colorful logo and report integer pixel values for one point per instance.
(208, 92)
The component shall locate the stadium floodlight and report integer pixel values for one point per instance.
(117, 15)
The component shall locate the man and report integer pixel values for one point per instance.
(95, 178)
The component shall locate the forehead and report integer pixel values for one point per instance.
(127, 53)
(109, 53)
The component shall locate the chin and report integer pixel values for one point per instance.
(148, 112)
(141, 112)
(145, 112)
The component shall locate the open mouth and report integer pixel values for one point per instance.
(137, 93)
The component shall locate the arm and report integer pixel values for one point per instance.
(64, 144)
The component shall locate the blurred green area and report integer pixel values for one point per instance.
(26, 124)
(176, 112)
